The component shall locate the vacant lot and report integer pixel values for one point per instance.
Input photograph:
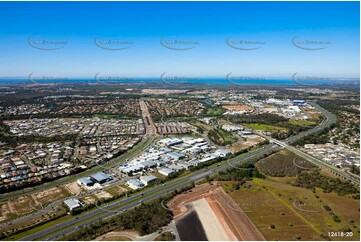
(264, 127)
(27, 204)
(51, 195)
(221, 137)
(283, 163)
(235, 223)
(74, 188)
(201, 125)
(302, 122)
(250, 140)
(116, 190)
(103, 195)
(89, 199)
(284, 212)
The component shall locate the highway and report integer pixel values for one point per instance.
(71, 225)
(151, 130)
(108, 210)
(330, 119)
(145, 142)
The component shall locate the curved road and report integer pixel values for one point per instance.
(67, 227)
(145, 142)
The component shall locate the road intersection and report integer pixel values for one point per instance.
(108, 210)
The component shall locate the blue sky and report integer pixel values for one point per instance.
(274, 24)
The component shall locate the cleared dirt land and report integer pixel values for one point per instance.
(211, 224)
(234, 222)
(74, 188)
(285, 212)
(27, 204)
(32, 209)
(249, 141)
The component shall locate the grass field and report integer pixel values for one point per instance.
(264, 127)
(201, 125)
(214, 111)
(38, 228)
(283, 163)
(302, 122)
(221, 137)
(116, 190)
(21, 206)
(296, 213)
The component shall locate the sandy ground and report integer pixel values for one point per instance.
(115, 190)
(250, 141)
(4, 212)
(133, 235)
(88, 200)
(103, 194)
(211, 225)
(21, 205)
(50, 195)
(74, 188)
(231, 219)
(178, 202)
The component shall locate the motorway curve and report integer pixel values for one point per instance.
(108, 210)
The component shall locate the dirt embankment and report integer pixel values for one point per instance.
(233, 220)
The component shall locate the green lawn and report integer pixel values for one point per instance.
(221, 137)
(269, 201)
(201, 125)
(214, 111)
(264, 127)
(38, 228)
(302, 123)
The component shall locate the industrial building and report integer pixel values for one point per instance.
(165, 171)
(147, 180)
(73, 203)
(85, 181)
(135, 184)
(100, 177)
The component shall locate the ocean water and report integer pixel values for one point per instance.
(186, 81)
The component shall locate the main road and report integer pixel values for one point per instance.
(112, 209)
(146, 141)
(330, 119)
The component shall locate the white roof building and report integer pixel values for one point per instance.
(223, 153)
(73, 203)
(165, 171)
(146, 180)
(175, 167)
(135, 184)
